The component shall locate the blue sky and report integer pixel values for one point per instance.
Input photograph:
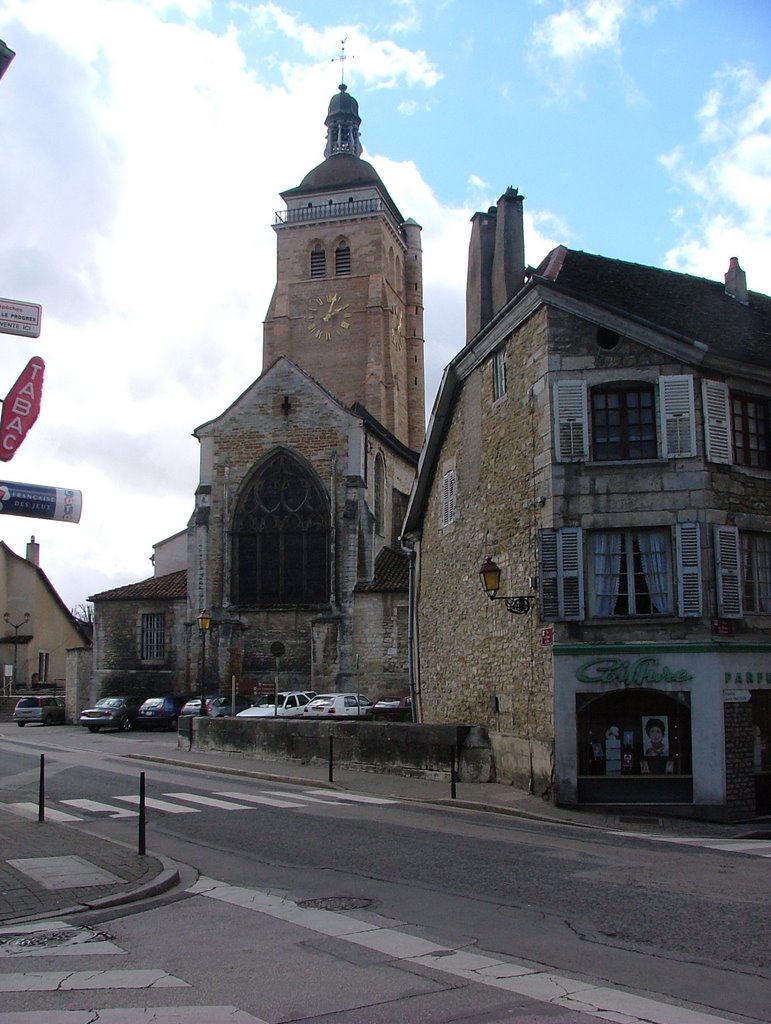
(147, 142)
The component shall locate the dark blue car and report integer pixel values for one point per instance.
(161, 712)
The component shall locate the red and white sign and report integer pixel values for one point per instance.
(547, 636)
(20, 318)
(21, 408)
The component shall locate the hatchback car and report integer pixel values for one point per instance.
(112, 713)
(43, 710)
(216, 705)
(160, 712)
(289, 704)
(341, 705)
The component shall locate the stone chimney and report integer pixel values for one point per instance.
(496, 262)
(736, 281)
(33, 551)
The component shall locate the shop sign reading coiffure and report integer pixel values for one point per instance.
(641, 672)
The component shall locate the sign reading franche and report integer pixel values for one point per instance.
(642, 672)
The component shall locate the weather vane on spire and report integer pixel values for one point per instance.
(342, 57)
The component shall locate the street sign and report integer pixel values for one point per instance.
(736, 696)
(20, 318)
(38, 502)
(21, 408)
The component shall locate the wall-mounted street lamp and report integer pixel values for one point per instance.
(16, 626)
(490, 574)
(6, 56)
(204, 623)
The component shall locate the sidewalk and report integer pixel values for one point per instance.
(49, 869)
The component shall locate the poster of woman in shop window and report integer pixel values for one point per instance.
(656, 736)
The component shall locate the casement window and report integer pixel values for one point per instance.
(499, 374)
(281, 530)
(625, 424)
(448, 498)
(318, 261)
(756, 571)
(619, 573)
(630, 573)
(751, 422)
(153, 636)
(342, 260)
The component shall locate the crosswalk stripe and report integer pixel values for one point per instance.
(209, 801)
(61, 981)
(137, 1015)
(30, 809)
(755, 847)
(256, 798)
(97, 806)
(159, 805)
(303, 798)
(356, 798)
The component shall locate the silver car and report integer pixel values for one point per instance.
(40, 710)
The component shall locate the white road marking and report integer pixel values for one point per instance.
(541, 984)
(301, 799)
(159, 805)
(255, 798)
(755, 847)
(356, 798)
(30, 810)
(69, 981)
(97, 807)
(209, 801)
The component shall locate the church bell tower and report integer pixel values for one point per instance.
(348, 303)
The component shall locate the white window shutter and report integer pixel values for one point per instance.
(448, 498)
(717, 420)
(561, 574)
(727, 575)
(571, 424)
(678, 427)
(689, 569)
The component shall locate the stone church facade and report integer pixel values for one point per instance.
(305, 477)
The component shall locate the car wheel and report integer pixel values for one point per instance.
(125, 724)
(93, 728)
(47, 720)
(21, 724)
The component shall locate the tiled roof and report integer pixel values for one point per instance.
(691, 307)
(171, 587)
(391, 573)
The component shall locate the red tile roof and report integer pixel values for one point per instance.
(172, 587)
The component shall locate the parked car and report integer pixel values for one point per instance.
(112, 713)
(217, 705)
(161, 712)
(397, 708)
(40, 709)
(290, 703)
(341, 705)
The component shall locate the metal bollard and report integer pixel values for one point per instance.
(41, 790)
(142, 818)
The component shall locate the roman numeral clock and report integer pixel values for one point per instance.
(328, 317)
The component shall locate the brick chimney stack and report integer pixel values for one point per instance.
(33, 551)
(496, 260)
(736, 282)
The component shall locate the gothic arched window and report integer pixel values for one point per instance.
(318, 261)
(342, 259)
(281, 537)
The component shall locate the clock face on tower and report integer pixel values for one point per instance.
(328, 317)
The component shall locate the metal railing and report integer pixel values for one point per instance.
(330, 211)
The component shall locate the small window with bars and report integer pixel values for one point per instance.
(318, 261)
(153, 636)
(342, 260)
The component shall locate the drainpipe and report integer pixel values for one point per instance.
(411, 556)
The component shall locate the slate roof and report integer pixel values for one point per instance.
(692, 308)
(172, 587)
(391, 573)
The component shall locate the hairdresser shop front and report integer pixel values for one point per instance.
(686, 726)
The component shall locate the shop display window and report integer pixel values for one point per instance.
(630, 733)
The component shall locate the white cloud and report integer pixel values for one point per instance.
(723, 181)
(584, 28)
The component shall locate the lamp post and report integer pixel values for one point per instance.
(16, 626)
(204, 622)
(490, 574)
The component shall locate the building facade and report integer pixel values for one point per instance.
(292, 548)
(604, 439)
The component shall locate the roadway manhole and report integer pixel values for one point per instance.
(336, 903)
(50, 939)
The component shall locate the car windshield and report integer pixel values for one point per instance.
(109, 702)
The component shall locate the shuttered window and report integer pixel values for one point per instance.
(571, 429)
(729, 591)
(449, 486)
(689, 569)
(560, 576)
(678, 432)
(717, 421)
(318, 261)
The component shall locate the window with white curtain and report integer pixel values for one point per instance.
(630, 572)
(756, 571)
